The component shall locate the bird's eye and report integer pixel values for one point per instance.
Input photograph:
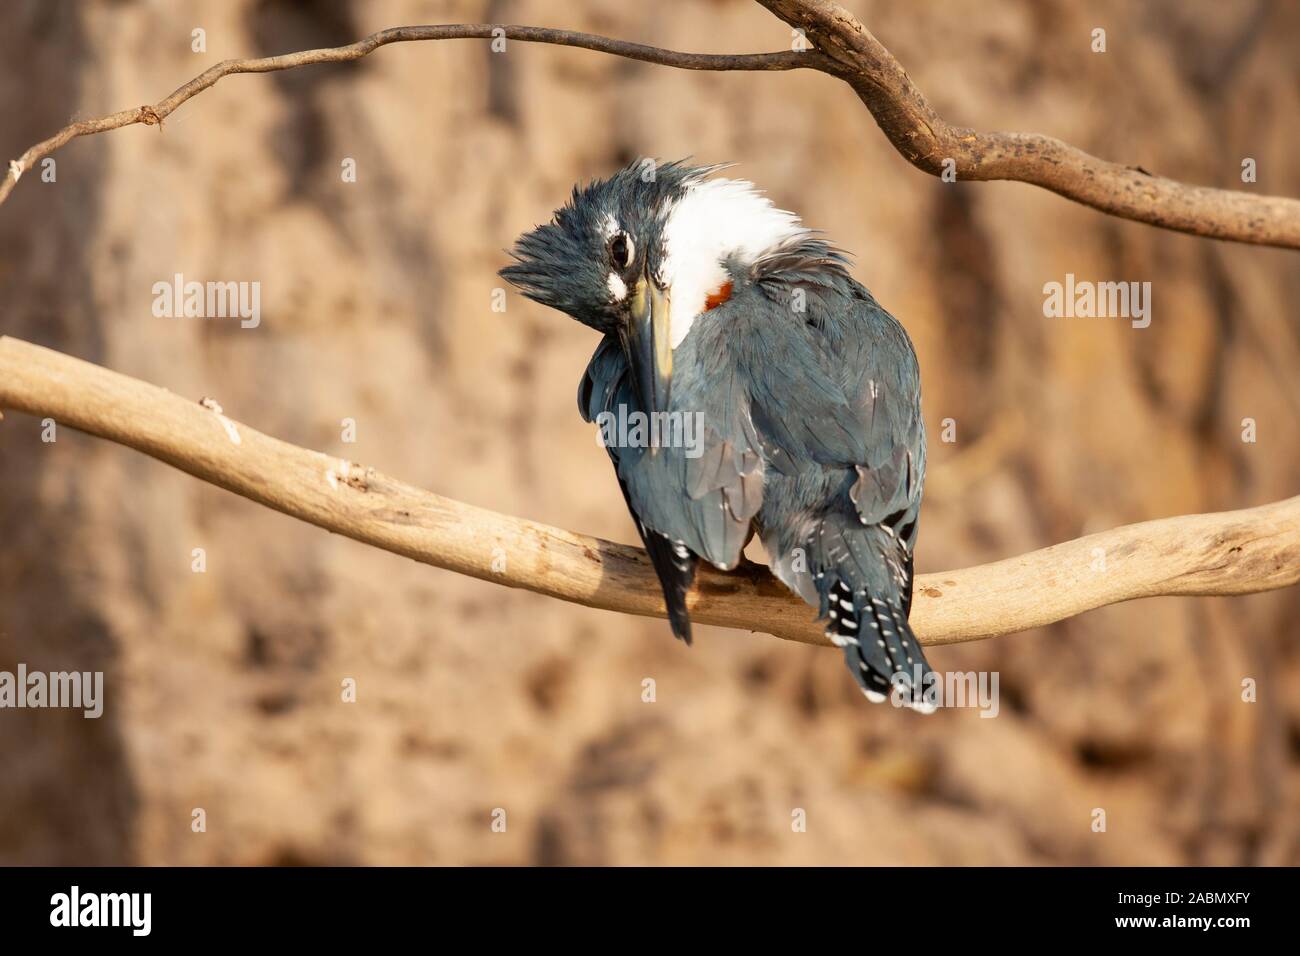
(620, 250)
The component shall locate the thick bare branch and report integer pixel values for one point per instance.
(847, 50)
(926, 140)
(1237, 552)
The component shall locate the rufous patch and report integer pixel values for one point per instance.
(715, 299)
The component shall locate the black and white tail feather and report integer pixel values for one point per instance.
(879, 646)
(866, 611)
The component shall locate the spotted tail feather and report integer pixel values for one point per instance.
(863, 602)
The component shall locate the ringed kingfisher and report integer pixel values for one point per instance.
(713, 302)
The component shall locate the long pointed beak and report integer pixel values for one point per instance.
(648, 341)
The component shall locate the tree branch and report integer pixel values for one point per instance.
(1236, 552)
(847, 50)
(155, 114)
(925, 140)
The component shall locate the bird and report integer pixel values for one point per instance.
(717, 308)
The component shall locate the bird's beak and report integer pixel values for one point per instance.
(648, 341)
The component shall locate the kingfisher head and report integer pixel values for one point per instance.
(645, 253)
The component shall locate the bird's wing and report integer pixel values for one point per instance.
(846, 392)
(840, 419)
(695, 496)
(886, 391)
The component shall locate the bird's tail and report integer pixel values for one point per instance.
(863, 576)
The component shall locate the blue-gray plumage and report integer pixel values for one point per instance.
(713, 304)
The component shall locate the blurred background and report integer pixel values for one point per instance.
(223, 688)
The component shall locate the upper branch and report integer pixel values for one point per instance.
(1236, 552)
(155, 114)
(925, 140)
(847, 50)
